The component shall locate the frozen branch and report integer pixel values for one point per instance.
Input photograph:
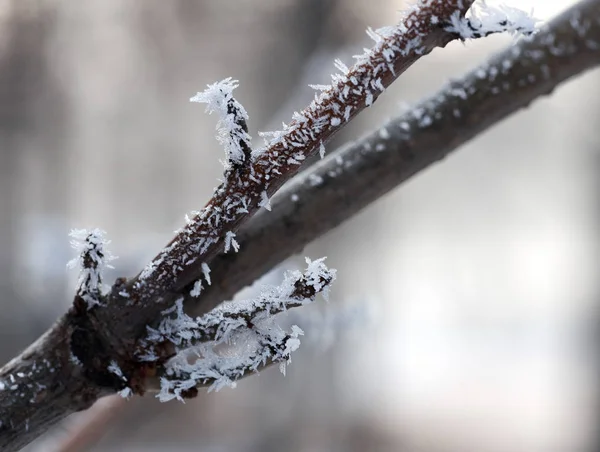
(297, 289)
(180, 265)
(41, 386)
(245, 326)
(70, 366)
(245, 191)
(356, 175)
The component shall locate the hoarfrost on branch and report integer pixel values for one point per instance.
(236, 337)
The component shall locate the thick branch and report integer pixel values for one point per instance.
(350, 178)
(40, 387)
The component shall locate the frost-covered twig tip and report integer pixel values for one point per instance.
(92, 258)
(232, 130)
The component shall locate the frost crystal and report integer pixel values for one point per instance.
(93, 258)
(218, 348)
(197, 289)
(126, 392)
(230, 242)
(485, 19)
(232, 131)
(115, 369)
(206, 272)
(264, 200)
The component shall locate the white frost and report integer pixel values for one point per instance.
(231, 242)
(219, 99)
(206, 272)
(264, 200)
(197, 289)
(485, 19)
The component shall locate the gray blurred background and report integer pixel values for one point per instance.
(477, 279)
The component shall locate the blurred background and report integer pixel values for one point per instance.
(476, 281)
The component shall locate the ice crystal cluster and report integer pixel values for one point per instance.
(114, 368)
(218, 348)
(485, 19)
(232, 132)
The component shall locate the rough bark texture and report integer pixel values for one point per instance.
(66, 369)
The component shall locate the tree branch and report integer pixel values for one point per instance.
(248, 187)
(354, 176)
(91, 351)
(47, 382)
